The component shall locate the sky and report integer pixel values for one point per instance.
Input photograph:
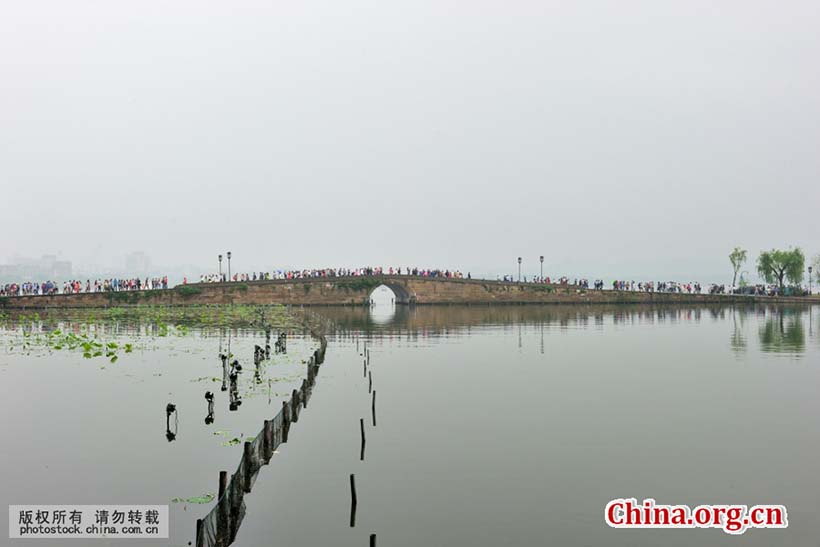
(619, 139)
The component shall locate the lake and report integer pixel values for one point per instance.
(493, 425)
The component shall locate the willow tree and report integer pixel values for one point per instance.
(737, 257)
(777, 266)
(816, 265)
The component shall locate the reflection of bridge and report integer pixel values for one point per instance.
(780, 328)
(335, 291)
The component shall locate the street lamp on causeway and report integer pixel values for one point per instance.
(220, 267)
(542, 267)
(229, 265)
(519, 269)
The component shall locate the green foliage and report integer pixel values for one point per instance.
(815, 266)
(186, 291)
(777, 266)
(201, 500)
(361, 284)
(306, 287)
(124, 297)
(182, 317)
(541, 288)
(737, 257)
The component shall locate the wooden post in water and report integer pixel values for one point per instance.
(370, 381)
(285, 421)
(304, 391)
(267, 440)
(373, 408)
(223, 484)
(246, 457)
(364, 367)
(294, 398)
(361, 426)
(223, 516)
(199, 536)
(372, 540)
(353, 500)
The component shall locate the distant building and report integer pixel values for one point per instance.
(137, 263)
(44, 268)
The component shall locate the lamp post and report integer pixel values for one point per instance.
(542, 267)
(220, 268)
(519, 269)
(229, 265)
(809, 280)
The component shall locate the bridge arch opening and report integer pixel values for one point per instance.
(389, 294)
(382, 301)
(382, 297)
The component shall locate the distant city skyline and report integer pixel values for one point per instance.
(641, 140)
(35, 270)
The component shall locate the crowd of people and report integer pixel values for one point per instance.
(332, 272)
(76, 286)
(22, 289)
(115, 284)
(662, 286)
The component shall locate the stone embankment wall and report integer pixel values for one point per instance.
(356, 291)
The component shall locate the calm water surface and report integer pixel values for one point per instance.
(494, 426)
(515, 426)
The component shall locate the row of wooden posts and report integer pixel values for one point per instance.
(369, 375)
(224, 519)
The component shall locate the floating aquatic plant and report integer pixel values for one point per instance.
(203, 499)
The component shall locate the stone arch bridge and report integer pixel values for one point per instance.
(340, 291)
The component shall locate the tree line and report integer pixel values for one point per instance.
(777, 266)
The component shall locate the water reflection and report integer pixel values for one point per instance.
(783, 332)
(738, 340)
(778, 329)
(234, 401)
(382, 305)
(209, 418)
(171, 410)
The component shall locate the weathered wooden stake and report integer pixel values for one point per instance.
(223, 484)
(372, 540)
(199, 538)
(248, 466)
(353, 501)
(294, 397)
(361, 424)
(373, 408)
(223, 517)
(285, 421)
(267, 440)
(370, 381)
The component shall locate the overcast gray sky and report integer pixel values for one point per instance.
(616, 138)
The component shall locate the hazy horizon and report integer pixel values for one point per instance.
(640, 141)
